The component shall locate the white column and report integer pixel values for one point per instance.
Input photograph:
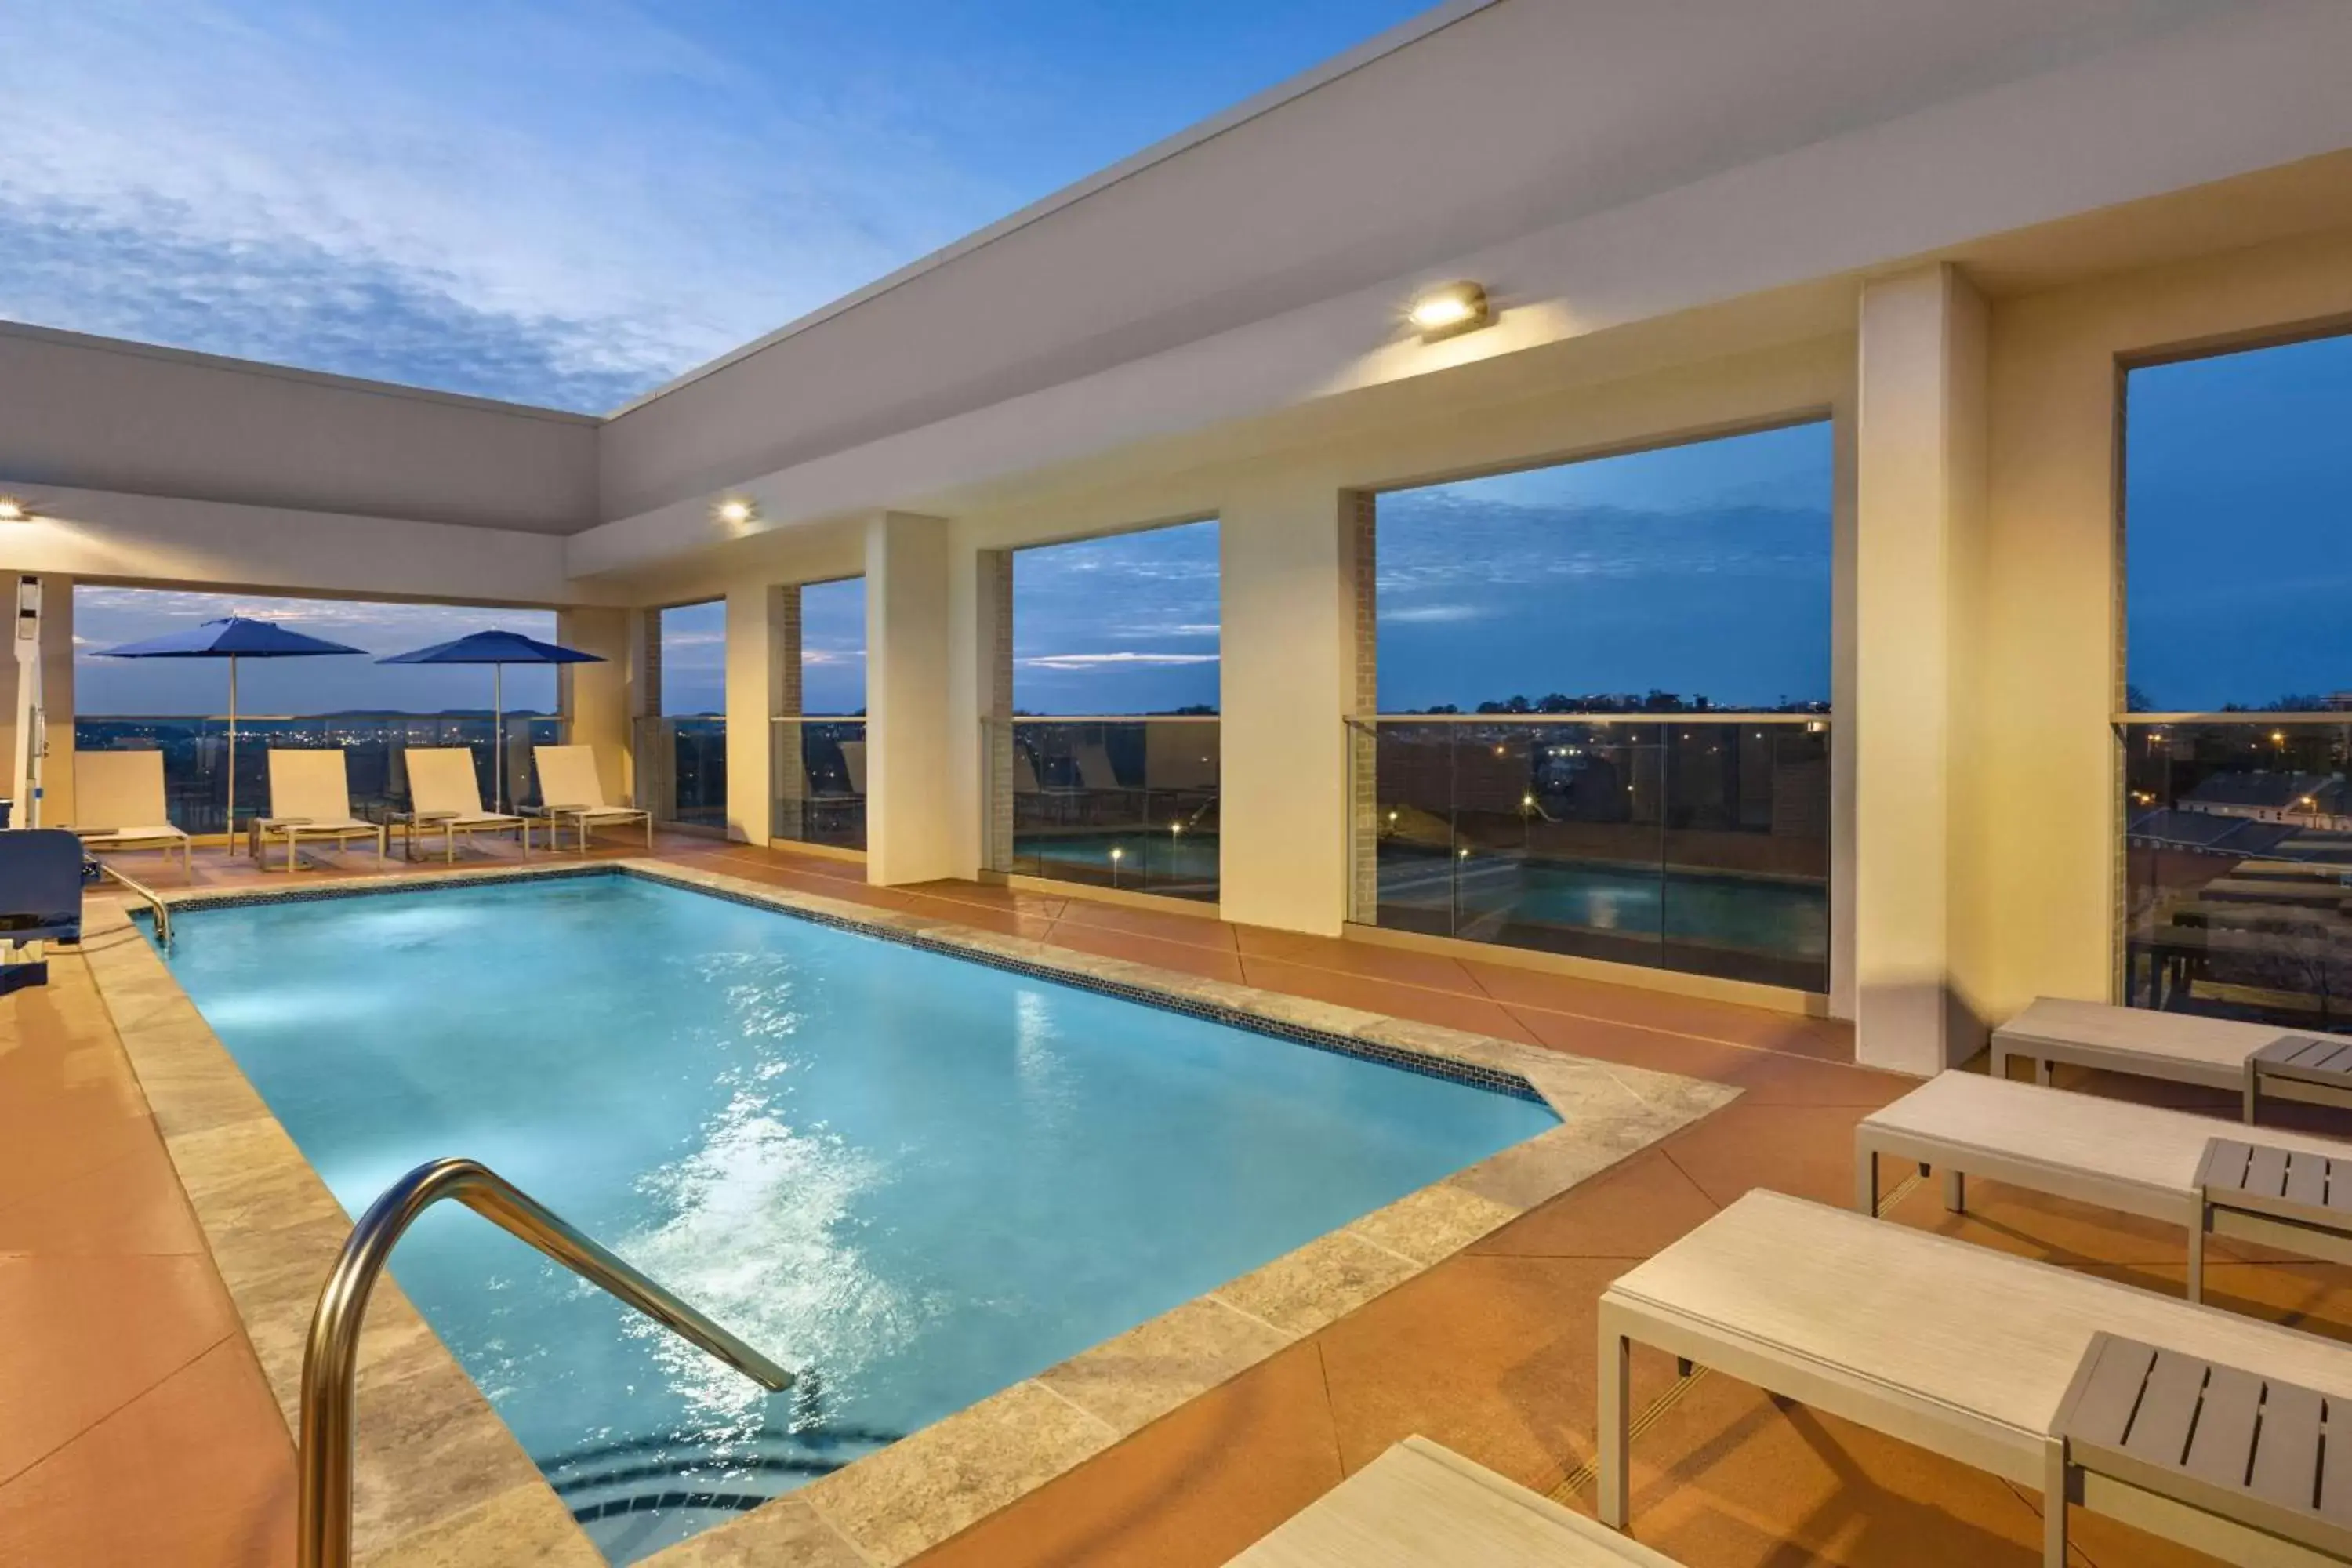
(594, 697)
(757, 632)
(56, 695)
(910, 755)
(1919, 497)
(1289, 641)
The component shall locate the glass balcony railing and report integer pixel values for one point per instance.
(819, 769)
(1674, 841)
(1127, 803)
(196, 754)
(682, 770)
(2238, 865)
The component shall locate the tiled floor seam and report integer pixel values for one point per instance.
(1330, 1411)
(827, 1520)
(1214, 1299)
(98, 1421)
(1035, 1382)
(1515, 1008)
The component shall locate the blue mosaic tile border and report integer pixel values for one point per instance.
(1493, 1080)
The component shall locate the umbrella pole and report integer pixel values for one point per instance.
(228, 823)
(498, 737)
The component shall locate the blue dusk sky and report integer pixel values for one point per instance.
(570, 202)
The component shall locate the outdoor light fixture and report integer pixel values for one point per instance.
(13, 511)
(735, 512)
(1456, 307)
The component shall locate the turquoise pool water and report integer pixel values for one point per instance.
(915, 1179)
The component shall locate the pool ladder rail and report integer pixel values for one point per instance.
(323, 1510)
(154, 900)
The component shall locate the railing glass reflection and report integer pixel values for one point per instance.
(819, 769)
(2237, 867)
(682, 770)
(196, 754)
(1128, 803)
(1699, 843)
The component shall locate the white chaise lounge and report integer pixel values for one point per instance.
(570, 790)
(310, 797)
(1422, 1506)
(444, 795)
(2168, 1165)
(119, 804)
(1964, 1352)
(2248, 1059)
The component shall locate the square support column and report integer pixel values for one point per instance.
(910, 751)
(762, 681)
(57, 695)
(1290, 640)
(1920, 471)
(595, 698)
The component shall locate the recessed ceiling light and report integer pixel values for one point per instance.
(13, 511)
(736, 511)
(1455, 308)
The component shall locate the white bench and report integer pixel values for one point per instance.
(2179, 1047)
(2135, 1159)
(1422, 1505)
(1966, 1352)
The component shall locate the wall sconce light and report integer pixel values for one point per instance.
(735, 512)
(13, 511)
(1454, 308)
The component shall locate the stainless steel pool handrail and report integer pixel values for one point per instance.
(154, 901)
(323, 1510)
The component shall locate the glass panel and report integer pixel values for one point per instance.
(1700, 848)
(1129, 805)
(691, 783)
(195, 755)
(2238, 871)
(820, 780)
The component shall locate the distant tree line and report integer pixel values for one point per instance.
(1655, 701)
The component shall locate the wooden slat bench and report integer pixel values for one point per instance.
(1964, 1352)
(2148, 1429)
(2248, 1059)
(1422, 1505)
(2136, 1159)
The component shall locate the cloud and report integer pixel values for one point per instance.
(1419, 613)
(1123, 657)
(525, 200)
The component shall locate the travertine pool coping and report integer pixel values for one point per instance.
(442, 1482)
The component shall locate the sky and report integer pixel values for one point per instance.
(2237, 527)
(564, 202)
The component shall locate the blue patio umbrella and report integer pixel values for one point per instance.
(232, 638)
(497, 649)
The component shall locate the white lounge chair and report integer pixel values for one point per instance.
(118, 795)
(310, 797)
(1422, 1506)
(444, 794)
(2136, 1159)
(570, 791)
(1958, 1350)
(2250, 1059)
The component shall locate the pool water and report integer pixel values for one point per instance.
(914, 1179)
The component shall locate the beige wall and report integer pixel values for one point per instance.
(2038, 836)
(598, 698)
(910, 669)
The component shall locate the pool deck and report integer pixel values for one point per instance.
(136, 1425)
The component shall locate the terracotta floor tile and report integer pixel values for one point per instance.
(1264, 941)
(132, 1204)
(87, 1334)
(1731, 1479)
(1626, 1213)
(198, 1470)
(1423, 1005)
(1433, 970)
(1769, 1078)
(1824, 1039)
(1161, 925)
(1189, 958)
(2314, 1297)
(1193, 1488)
(2032, 1224)
(1805, 1149)
(1493, 1357)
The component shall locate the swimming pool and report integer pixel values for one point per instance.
(913, 1178)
